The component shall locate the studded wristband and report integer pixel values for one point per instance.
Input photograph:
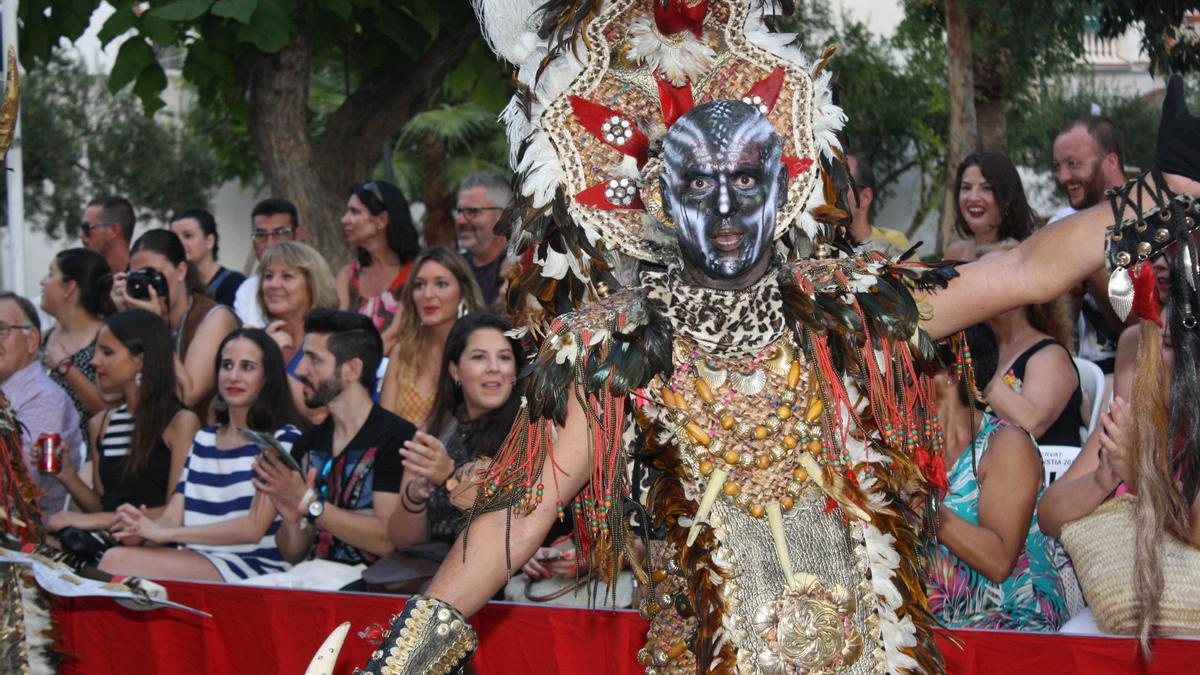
(429, 636)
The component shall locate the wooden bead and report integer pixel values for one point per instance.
(697, 434)
(761, 433)
(799, 473)
(762, 461)
(757, 510)
(668, 397)
(659, 576)
(705, 393)
(706, 467)
(786, 503)
(813, 446)
(727, 422)
(793, 375)
(731, 456)
(815, 408)
(731, 488)
(789, 441)
(783, 412)
(676, 650)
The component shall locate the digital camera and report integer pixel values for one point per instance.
(139, 283)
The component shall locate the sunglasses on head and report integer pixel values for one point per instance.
(86, 228)
(372, 189)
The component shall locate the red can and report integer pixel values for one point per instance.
(51, 448)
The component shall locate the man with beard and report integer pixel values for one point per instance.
(337, 507)
(1088, 160)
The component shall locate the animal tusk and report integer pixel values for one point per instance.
(775, 519)
(715, 481)
(326, 657)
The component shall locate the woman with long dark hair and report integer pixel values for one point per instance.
(440, 289)
(226, 528)
(989, 205)
(197, 230)
(137, 450)
(378, 224)
(76, 293)
(478, 397)
(198, 324)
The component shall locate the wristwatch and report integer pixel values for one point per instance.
(315, 509)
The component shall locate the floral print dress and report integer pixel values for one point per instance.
(1030, 599)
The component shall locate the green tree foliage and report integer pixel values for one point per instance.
(79, 140)
(1171, 42)
(254, 64)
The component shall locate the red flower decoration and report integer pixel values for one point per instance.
(612, 195)
(674, 16)
(614, 129)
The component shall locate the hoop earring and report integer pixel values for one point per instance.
(463, 308)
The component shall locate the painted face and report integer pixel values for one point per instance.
(978, 205)
(196, 245)
(723, 184)
(240, 374)
(475, 218)
(436, 294)
(486, 371)
(359, 224)
(1077, 160)
(318, 372)
(285, 291)
(114, 364)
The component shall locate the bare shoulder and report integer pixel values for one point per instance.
(959, 249)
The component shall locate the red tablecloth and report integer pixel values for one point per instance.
(256, 630)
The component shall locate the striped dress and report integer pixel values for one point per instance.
(216, 486)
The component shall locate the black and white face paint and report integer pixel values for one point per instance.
(723, 182)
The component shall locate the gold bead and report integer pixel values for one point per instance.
(762, 461)
(774, 424)
(705, 393)
(731, 456)
(743, 430)
(813, 446)
(706, 467)
(783, 412)
(727, 422)
(786, 503)
(799, 473)
(761, 433)
(757, 510)
(789, 441)
(731, 488)
(659, 576)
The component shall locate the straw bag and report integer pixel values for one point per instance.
(1102, 547)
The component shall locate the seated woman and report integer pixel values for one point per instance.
(990, 205)
(197, 230)
(76, 293)
(440, 290)
(477, 401)
(378, 224)
(991, 566)
(137, 450)
(198, 323)
(293, 280)
(1037, 385)
(226, 527)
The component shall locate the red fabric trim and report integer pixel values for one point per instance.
(276, 631)
(675, 101)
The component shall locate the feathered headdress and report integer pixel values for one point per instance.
(599, 84)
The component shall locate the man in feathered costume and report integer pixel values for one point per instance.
(677, 164)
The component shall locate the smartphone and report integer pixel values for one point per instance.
(265, 441)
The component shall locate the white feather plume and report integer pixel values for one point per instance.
(683, 58)
(828, 119)
(897, 632)
(500, 20)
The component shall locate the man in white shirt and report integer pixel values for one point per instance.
(273, 220)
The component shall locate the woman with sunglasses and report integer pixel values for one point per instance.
(378, 224)
(138, 450)
(76, 293)
(198, 323)
(226, 529)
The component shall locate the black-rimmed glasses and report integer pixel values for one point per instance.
(277, 233)
(6, 329)
(473, 212)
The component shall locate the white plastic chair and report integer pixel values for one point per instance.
(1056, 459)
(1091, 379)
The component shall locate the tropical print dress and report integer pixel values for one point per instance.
(1030, 599)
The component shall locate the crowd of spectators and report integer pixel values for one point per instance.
(297, 426)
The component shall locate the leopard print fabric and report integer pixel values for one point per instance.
(728, 323)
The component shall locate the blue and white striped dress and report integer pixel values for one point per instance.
(216, 486)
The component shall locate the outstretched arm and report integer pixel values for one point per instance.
(468, 584)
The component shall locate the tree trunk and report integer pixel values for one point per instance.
(963, 131)
(317, 177)
(990, 79)
(439, 225)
